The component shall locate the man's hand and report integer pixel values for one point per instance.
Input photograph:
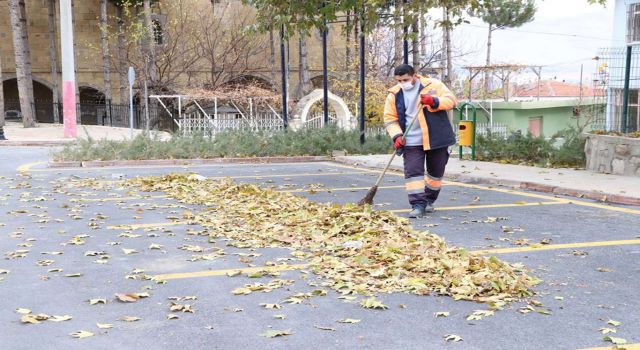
(428, 100)
(398, 142)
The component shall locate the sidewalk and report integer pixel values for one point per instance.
(576, 183)
(53, 134)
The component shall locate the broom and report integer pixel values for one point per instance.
(368, 199)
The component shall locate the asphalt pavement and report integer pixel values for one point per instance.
(587, 253)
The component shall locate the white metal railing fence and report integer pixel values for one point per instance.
(197, 122)
(496, 129)
(316, 120)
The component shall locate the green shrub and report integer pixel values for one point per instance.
(309, 142)
(531, 150)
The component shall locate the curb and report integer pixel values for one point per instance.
(9, 143)
(532, 186)
(185, 162)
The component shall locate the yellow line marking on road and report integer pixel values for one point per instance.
(117, 199)
(26, 168)
(466, 207)
(151, 225)
(339, 189)
(220, 165)
(211, 273)
(558, 246)
(280, 268)
(520, 193)
(487, 206)
(620, 347)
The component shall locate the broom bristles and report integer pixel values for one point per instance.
(368, 199)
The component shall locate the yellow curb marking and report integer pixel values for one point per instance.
(559, 246)
(211, 273)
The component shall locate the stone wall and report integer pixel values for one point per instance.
(613, 154)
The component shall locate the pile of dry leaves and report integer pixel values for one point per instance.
(355, 249)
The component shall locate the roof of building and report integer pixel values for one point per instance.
(554, 88)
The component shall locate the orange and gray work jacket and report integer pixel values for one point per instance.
(437, 131)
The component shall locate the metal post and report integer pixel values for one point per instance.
(405, 41)
(283, 67)
(625, 96)
(68, 70)
(147, 120)
(132, 78)
(362, 75)
(325, 76)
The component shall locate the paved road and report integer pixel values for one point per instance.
(38, 216)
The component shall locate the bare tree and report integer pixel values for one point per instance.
(53, 59)
(122, 63)
(23, 61)
(272, 57)
(106, 64)
(399, 35)
(303, 69)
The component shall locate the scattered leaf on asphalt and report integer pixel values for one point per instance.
(442, 314)
(606, 330)
(604, 269)
(275, 333)
(617, 341)
(372, 303)
(73, 275)
(104, 325)
(279, 317)
(81, 334)
(23, 311)
(172, 317)
(56, 318)
(131, 297)
(129, 251)
(33, 319)
(271, 306)
(614, 323)
(479, 314)
(452, 338)
(349, 320)
(130, 318)
(324, 328)
(97, 301)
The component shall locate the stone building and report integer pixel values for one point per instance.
(89, 65)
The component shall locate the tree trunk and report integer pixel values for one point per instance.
(151, 71)
(448, 76)
(213, 6)
(423, 35)
(303, 69)
(1, 94)
(106, 65)
(122, 62)
(399, 35)
(53, 58)
(347, 53)
(415, 45)
(272, 58)
(487, 74)
(23, 69)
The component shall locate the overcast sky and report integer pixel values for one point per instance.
(578, 31)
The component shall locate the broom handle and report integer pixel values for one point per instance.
(393, 156)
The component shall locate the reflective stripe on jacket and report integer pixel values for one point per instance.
(437, 131)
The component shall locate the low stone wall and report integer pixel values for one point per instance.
(613, 154)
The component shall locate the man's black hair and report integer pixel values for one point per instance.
(404, 69)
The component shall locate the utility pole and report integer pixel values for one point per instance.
(68, 70)
(625, 96)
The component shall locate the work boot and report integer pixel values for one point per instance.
(429, 208)
(417, 211)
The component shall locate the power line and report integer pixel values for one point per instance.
(548, 33)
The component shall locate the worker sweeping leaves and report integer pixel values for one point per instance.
(425, 142)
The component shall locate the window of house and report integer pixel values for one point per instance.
(633, 23)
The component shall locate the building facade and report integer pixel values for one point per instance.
(176, 47)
